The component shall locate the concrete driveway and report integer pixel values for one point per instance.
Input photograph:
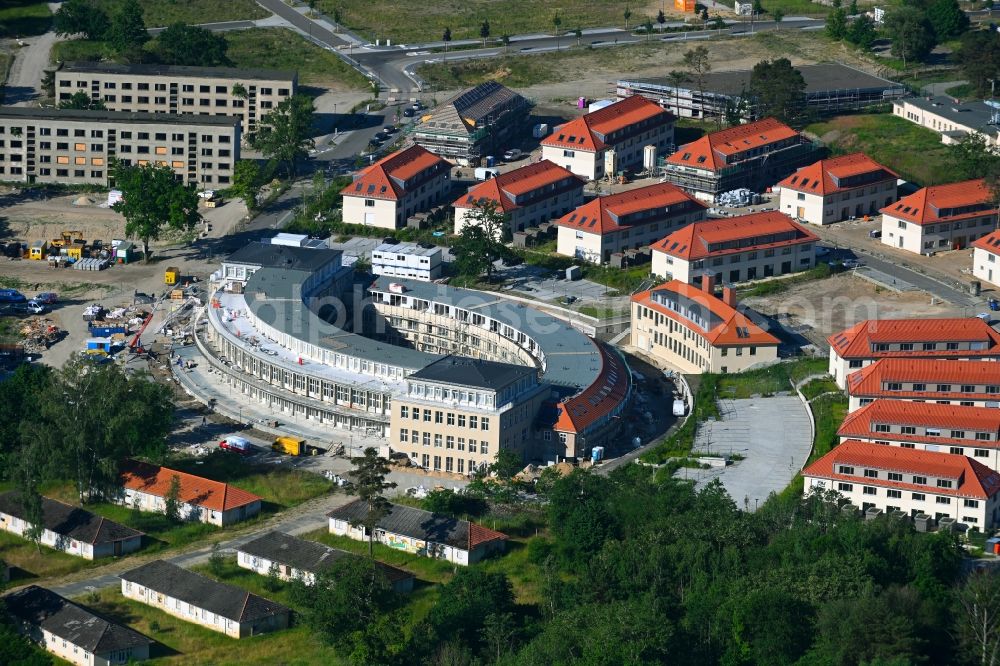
(774, 435)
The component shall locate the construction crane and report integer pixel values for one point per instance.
(135, 347)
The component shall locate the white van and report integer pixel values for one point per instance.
(679, 407)
(237, 444)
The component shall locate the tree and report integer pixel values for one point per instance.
(862, 32)
(92, 417)
(172, 500)
(778, 89)
(978, 620)
(446, 38)
(836, 23)
(368, 482)
(979, 58)
(498, 633)
(647, 27)
(345, 599)
(852, 9)
(466, 601)
(239, 91)
(911, 33)
(506, 464)
(627, 14)
(216, 563)
(661, 19)
(284, 133)
(505, 40)
(190, 45)
(704, 14)
(973, 157)
(81, 17)
(152, 200)
(578, 33)
(82, 100)
(480, 242)
(246, 182)
(676, 79)
(556, 23)
(947, 19)
(127, 33)
(778, 14)
(484, 31)
(16, 649)
(699, 65)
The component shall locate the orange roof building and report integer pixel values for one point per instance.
(965, 383)
(630, 219)
(736, 249)
(695, 331)
(940, 217)
(527, 196)
(582, 420)
(986, 258)
(611, 139)
(755, 155)
(387, 193)
(837, 189)
(200, 499)
(938, 485)
(862, 344)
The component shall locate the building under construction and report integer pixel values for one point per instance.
(478, 122)
(830, 88)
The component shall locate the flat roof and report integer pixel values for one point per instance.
(180, 71)
(571, 358)
(818, 78)
(294, 257)
(408, 248)
(473, 373)
(973, 113)
(89, 116)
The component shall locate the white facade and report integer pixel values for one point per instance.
(837, 206)
(738, 266)
(866, 492)
(407, 260)
(63, 543)
(75, 654)
(382, 213)
(596, 248)
(532, 213)
(438, 551)
(162, 600)
(192, 512)
(937, 237)
(985, 266)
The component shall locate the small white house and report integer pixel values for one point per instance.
(291, 558)
(71, 529)
(228, 609)
(985, 261)
(200, 499)
(72, 632)
(837, 189)
(407, 260)
(940, 217)
(421, 533)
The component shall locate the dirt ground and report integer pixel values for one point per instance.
(112, 287)
(593, 72)
(819, 308)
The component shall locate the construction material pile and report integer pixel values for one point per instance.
(39, 333)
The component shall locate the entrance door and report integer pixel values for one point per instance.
(800, 212)
(900, 241)
(118, 548)
(369, 219)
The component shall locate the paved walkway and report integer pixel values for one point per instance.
(773, 435)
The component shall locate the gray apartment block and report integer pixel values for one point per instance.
(178, 89)
(76, 147)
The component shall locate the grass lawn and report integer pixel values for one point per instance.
(778, 285)
(818, 387)
(915, 153)
(32, 563)
(181, 642)
(277, 48)
(161, 13)
(79, 50)
(23, 18)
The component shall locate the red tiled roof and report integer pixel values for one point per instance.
(709, 151)
(479, 534)
(598, 216)
(584, 133)
(733, 322)
(924, 206)
(818, 177)
(868, 381)
(977, 480)
(385, 178)
(692, 242)
(861, 423)
(506, 186)
(990, 242)
(598, 400)
(196, 490)
(856, 341)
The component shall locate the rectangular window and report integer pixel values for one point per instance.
(845, 487)
(461, 420)
(449, 442)
(451, 418)
(427, 416)
(942, 500)
(894, 476)
(438, 417)
(871, 473)
(870, 490)
(918, 497)
(404, 435)
(404, 412)
(970, 504)
(473, 422)
(919, 480)
(437, 440)
(485, 424)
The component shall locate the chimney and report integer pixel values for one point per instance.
(729, 296)
(708, 283)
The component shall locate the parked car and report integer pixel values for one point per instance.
(852, 263)
(239, 445)
(11, 296)
(34, 307)
(142, 298)
(381, 136)
(512, 155)
(389, 240)
(389, 129)
(408, 113)
(46, 297)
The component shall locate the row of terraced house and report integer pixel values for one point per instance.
(922, 435)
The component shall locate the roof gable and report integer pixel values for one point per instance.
(194, 490)
(386, 178)
(736, 234)
(938, 203)
(857, 341)
(837, 174)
